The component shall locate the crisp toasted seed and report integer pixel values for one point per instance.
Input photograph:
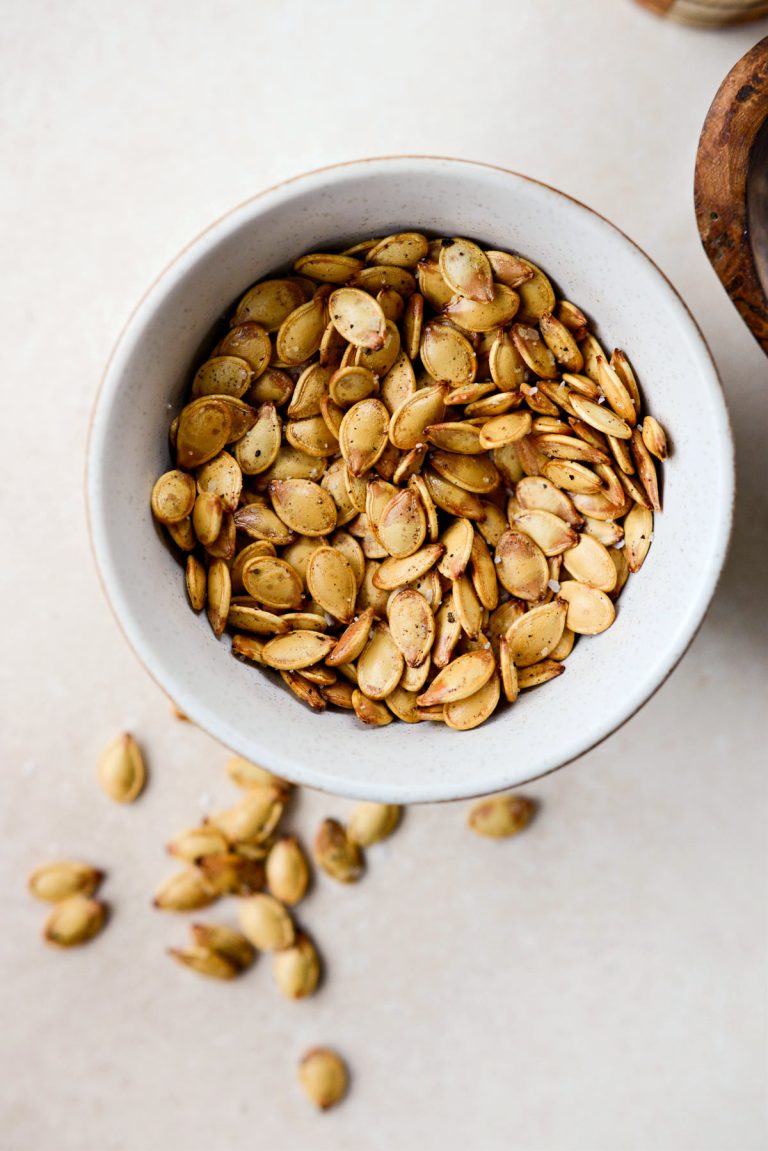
(328, 267)
(369, 711)
(508, 269)
(223, 547)
(303, 690)
(591, 349)
(458, 437)
(457, 540)
(402, 526)
(246, 647)
(304, 506)
(634, 492)
(460, 678)
(297, 649)
(589, 610)
(655, 438)
(351, 550)
(183, 535)
(557, 446)
(500, 816)
(620, 450)
(497, 404)
(229, 944)
(561, 343)
(173, 497)
(536, 634)
(619, 560)
(572, 476)
(358, 317)
(380, 665)
(601, 418)
(588, 434)
(506, 365)
(412, 323)
(221, 476)
(370, 594)
(508, 671)
(195, 842)
(287, 870)
(432, 286)
(331, 582)
(204, 428)
(493, 524)
(412, 681)
(448, 355)
(269, 303)
(552, 534)
(273, 386)
(573, 318)
(615, 392)
(466, 270)
(388, 461)
(266, 923)
(401, 250)
(410, 464)
(219, 594)
(186, 890)
(350, 385)
(335, 853)
(606, 532)
(467, 606)
(333, 346)
(539, 673)
(646, 469)
(395, 572)
(505, 429)
(565, 646)
(392, 303)
(222, 376)
(322, 676)
(255, 619)
(582, 385)
(339, 694)
(475, 316)
(74, 920)
(378, 495)
(352, 641)
(335, 482)
(272, 582)
(638, 535)
(536, 294)
(323, 1077)
(412, 627)
(380, 360)
(121, 769)
(483, 572)
(332, 416)
(363, 435)
(470, 473)
(357, 489)
(537, 401)
(248, 342)
(370, 823)
(418, 484)
(535, 493)
(522, 566)
(311, 388)
(301, 332)
(470, 394)
(312, 437)
(465, 714)
(204, 961)
(502, 619)
(254, 817)
(534, 351)
(409, 421)
(62, 879)
(233, 873)
(297, 968)
(598, 506)
(590, 563)
(196, 583)
(375, 277)
(293, 463)
(399, 384)
(297, 554)
(207, 517)
(623, 370)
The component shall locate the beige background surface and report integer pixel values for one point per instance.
(598, 983)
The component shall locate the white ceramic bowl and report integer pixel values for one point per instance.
(608, 677)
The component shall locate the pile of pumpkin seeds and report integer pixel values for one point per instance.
(408, 478)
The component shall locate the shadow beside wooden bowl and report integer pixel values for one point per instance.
(731, 188)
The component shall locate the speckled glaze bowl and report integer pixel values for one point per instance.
(608, 677)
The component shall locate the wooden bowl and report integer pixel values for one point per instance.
(708, 13)
(731, 188)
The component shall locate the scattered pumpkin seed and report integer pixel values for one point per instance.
(501, 816)
(74, 920)
(64, 878)
(323, 1076)
(121, 769)
(336, 854)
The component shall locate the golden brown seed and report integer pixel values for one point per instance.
(469, 713)
(369, 823)
(266, 923)
(508, 671)
(59, 880)
(297, 968)
(358, 317)
(219, 595)
(186, 890)
(229, 944)
(589, 610)
(380, 665)
(466, 270)
(459, 679)
(536, 634)
(655, 438)
(74, 921)
(287, 870)
(501, 816)
(331, 582)
(204, 961)
(121, 769)
(638, 534)
(590, 563)
(173, 497)
(336, 854)
(521, 566)
(196, 842)
(303, 690)
(539, 673)
(476, 316)
(370, 711)
(253, 818)
(304, 506)
(352, 641)
(412, 626)
(247, 775)
(323, 1076)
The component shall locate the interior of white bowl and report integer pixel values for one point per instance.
(607, 677)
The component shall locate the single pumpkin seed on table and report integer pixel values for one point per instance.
(389, 443)
(74, 920)
(501, 816)
(62, 879)
(121, 770)
(323, 1077)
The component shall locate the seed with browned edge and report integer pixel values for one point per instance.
(63, 878)
(500, 816)
(297, 968)
(186, 890)
(204, 961)
(121, 769)
(226, 942)
(336, 854)
(254, 817)
(265, 922)
(323, 1076)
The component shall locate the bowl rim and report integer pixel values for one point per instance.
(357, 790)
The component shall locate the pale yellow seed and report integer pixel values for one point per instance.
(323, 1076)
(74, 921)
(63, 878)
(500, 816)
(121, 769)
(369, 823)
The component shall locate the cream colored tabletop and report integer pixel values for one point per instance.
(598, 983)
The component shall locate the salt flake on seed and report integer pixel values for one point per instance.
(553, 585)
